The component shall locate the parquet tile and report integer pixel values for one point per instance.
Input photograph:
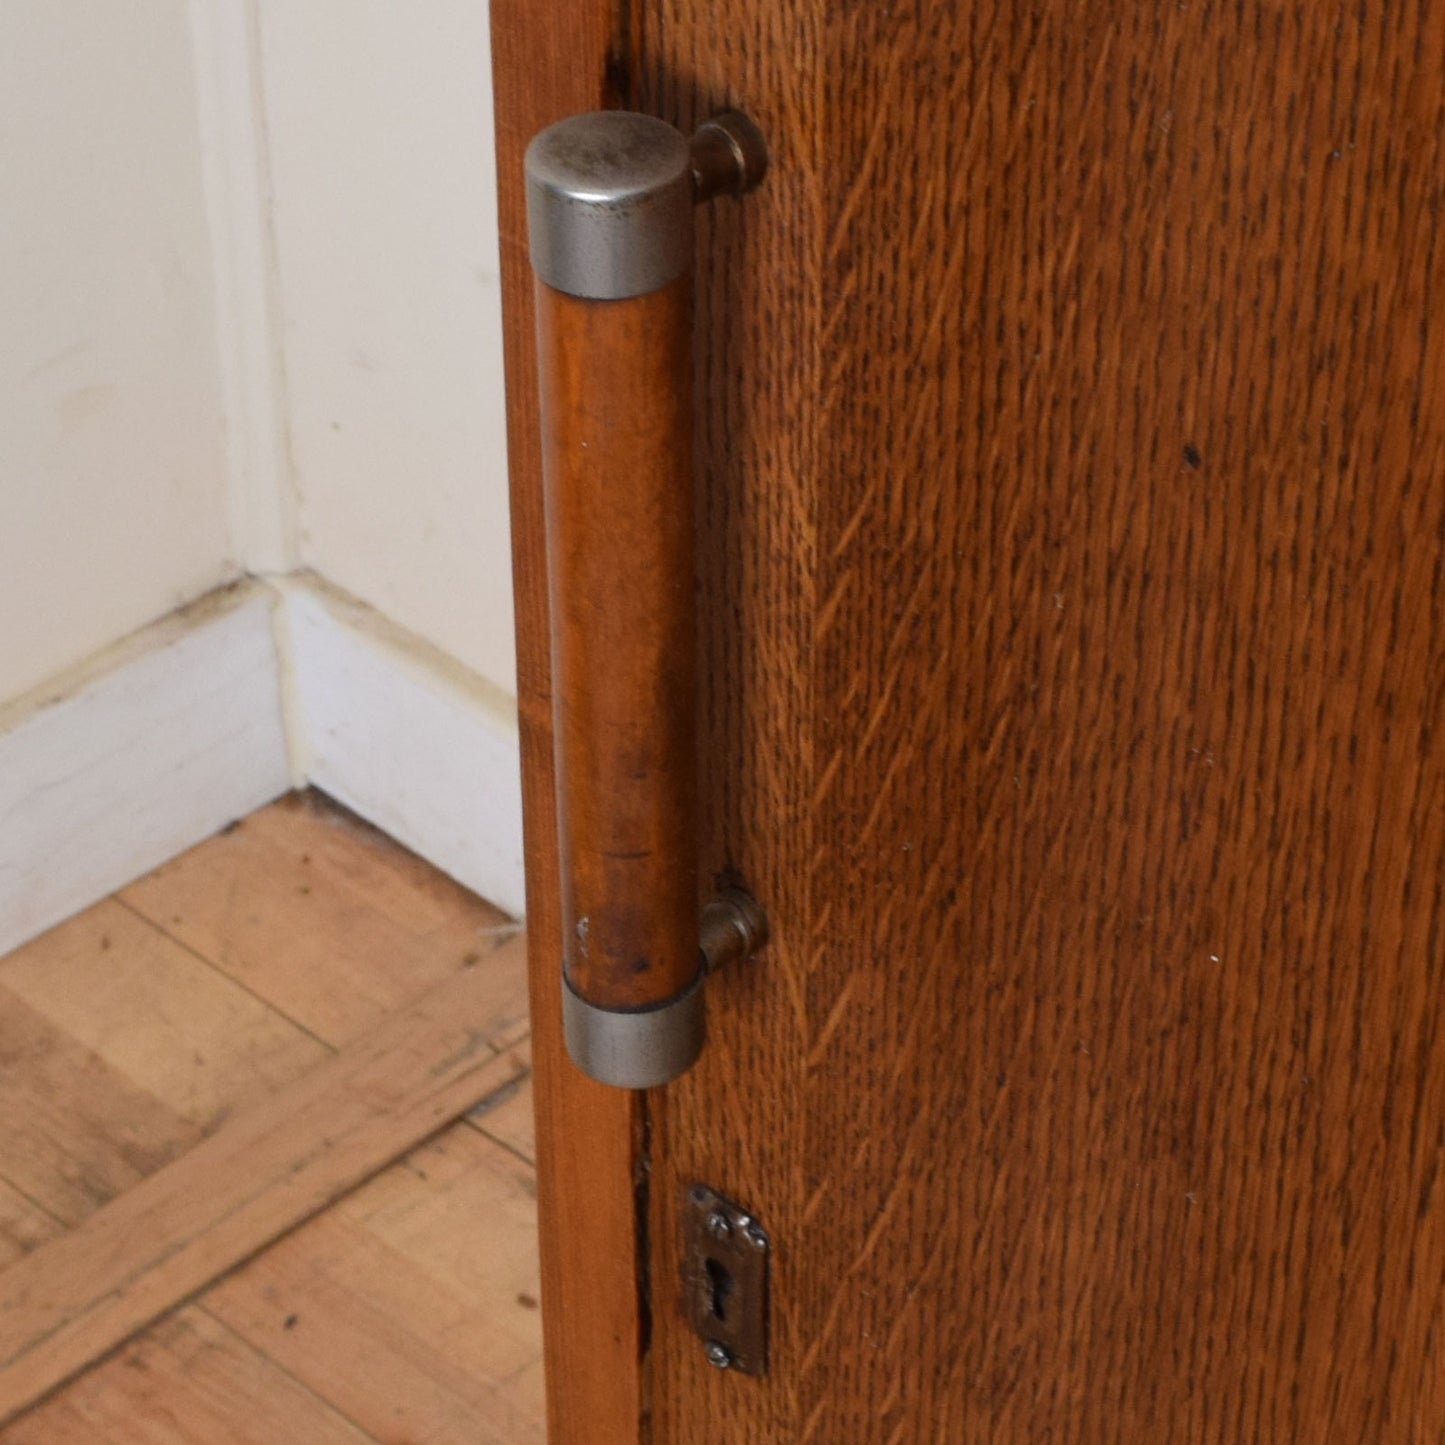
(409, 1309)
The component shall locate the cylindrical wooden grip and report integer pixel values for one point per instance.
(617, 463)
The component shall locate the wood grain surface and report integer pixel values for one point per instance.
(616, 421)
(1071, 509)
(410, 1306)
(127, 1038)
(188, 1381)
(549, 62)
(324, 918)
(77, 1296)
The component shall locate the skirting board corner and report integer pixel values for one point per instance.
(129, 760)
(404, 736)
(146, 750)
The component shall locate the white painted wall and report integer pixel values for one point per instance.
(111, 487)
(249, 318)
(249, 324)
(378, 134)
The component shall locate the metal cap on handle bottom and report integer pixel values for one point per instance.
(635, 1048)
(609, 205)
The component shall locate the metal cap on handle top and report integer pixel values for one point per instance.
(610, 197)
(609, 205)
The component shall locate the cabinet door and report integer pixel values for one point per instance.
(1071, 515)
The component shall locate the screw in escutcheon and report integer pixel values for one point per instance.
(717, 1355)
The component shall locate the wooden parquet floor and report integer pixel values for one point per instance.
(407, 1310)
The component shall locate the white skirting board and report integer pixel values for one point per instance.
(132, 758)
(224, 706)
(406, 737)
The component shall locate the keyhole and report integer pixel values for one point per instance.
(721, 1286)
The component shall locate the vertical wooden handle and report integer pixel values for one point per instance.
(618, 479)
(610, 200)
